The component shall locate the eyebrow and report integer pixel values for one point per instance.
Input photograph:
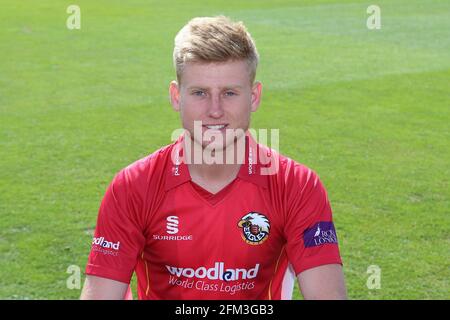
(207, 88)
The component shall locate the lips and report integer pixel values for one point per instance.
(215, 126)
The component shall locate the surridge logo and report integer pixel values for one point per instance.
(218, 272)
(255, 228)
(172, 228)
(172, 225)
(102, 242)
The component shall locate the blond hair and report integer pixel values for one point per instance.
(214, 39)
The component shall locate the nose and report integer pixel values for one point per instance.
(215, 109)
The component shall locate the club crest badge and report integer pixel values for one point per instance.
(255, 228)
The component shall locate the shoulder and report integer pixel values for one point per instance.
(297, 174)
(287, 172)
(142, 171)
(297, 188)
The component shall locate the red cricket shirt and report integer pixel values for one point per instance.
(246, 242)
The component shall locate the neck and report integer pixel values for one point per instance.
(213, 173)
(215, 170)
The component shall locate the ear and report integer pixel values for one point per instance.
(256, 96)
(174, 92)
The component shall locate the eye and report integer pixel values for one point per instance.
(230, 93)
(199, 93)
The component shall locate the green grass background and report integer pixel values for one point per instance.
(367, 109)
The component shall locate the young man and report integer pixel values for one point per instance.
(242, 222)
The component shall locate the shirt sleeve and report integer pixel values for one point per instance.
(118, 238)
(309, 229)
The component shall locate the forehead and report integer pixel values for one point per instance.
(215, 74)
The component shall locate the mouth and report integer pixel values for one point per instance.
(215, 126)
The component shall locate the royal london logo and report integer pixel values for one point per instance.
(255, 228)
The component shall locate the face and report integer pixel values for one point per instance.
(219, 95)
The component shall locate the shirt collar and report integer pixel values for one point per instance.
(177, 172)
